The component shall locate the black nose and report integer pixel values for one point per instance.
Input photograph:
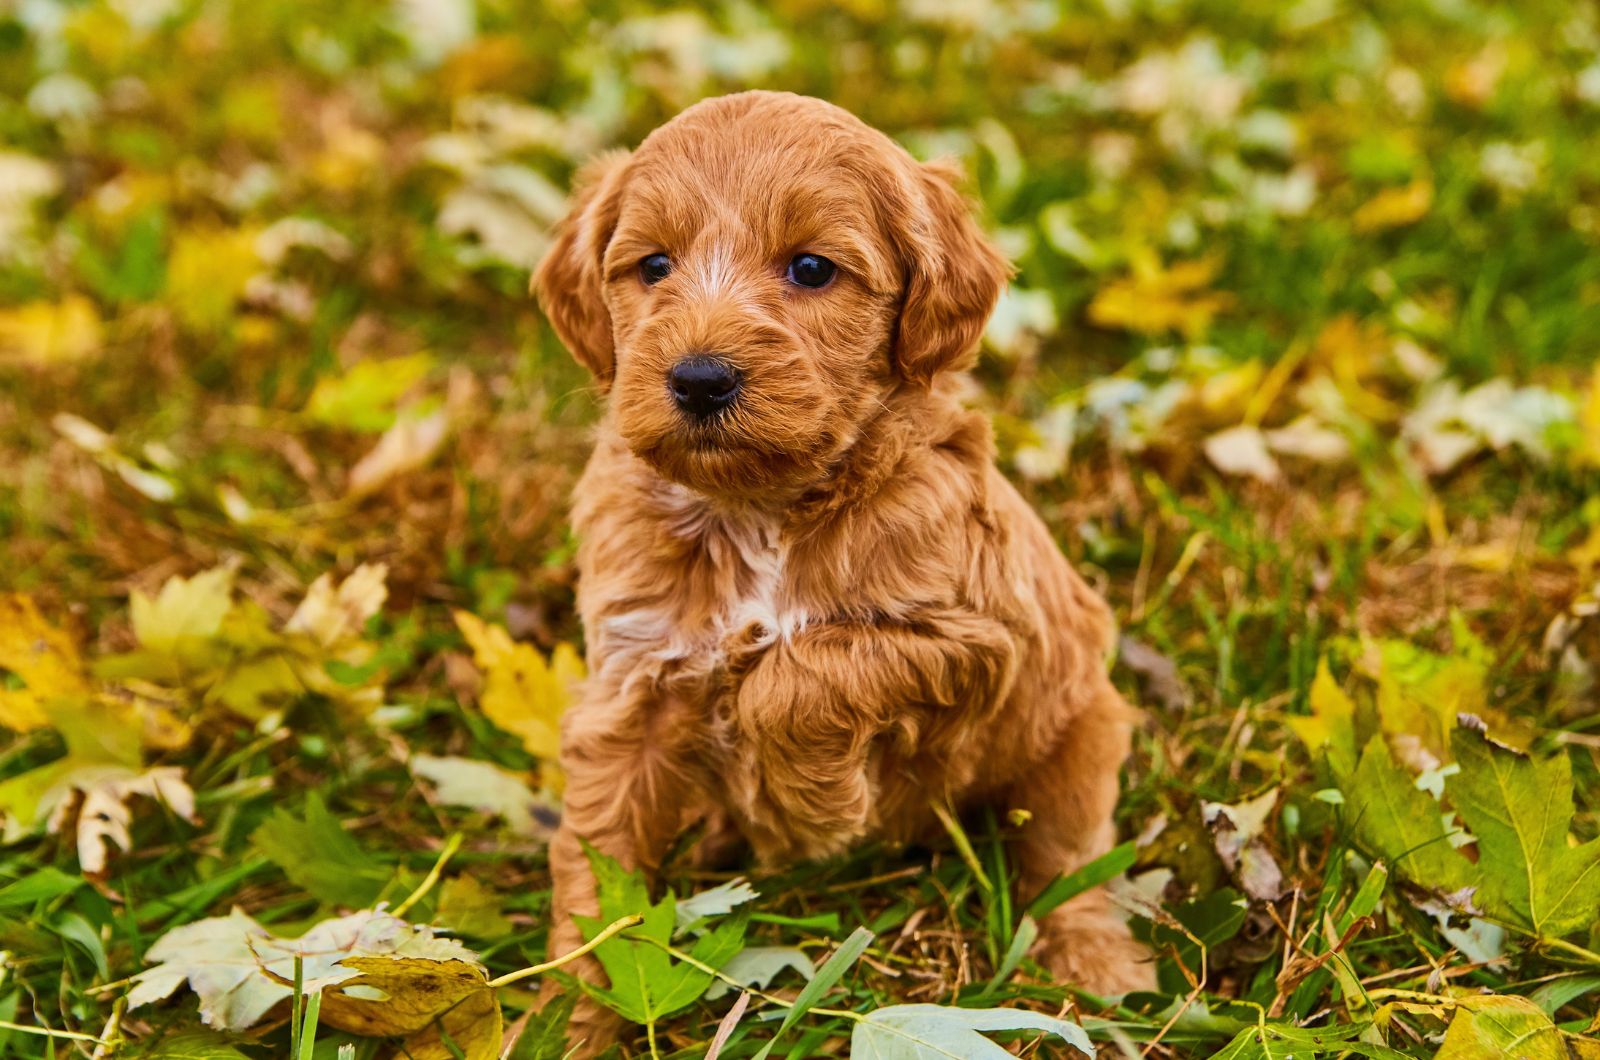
(703, 385)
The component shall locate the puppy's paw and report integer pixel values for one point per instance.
(1096, 952)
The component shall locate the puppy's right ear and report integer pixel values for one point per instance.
(568, 279)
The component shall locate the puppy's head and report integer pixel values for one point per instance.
(755, 278)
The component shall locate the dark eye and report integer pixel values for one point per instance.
(654, 269)
(811, 270)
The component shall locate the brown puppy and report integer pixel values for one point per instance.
(813, 606)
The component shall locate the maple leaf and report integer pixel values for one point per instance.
(524, 693)
(97, 776)
(239, 969)
(485, 786)
(1331, 725)
(42, 658)
(185, 613)
(1155, 299)
(1403, 824)
(1520, 810)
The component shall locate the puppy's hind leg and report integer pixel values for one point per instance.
(1070, 797)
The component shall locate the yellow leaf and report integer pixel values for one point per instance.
(1395, 207)
(1351, 351)
(331, 616)
(39, 656)
(425, 1000)
(364, 397)
(207, 272)
(185, 611)
(523, 693)
(1154, 299)
(45, 332)
(1332, 721)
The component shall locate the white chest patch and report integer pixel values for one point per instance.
(748, 556)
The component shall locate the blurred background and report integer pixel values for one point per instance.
(243, 241)
(1300, 365)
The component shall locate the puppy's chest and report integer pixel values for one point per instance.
(721, 590)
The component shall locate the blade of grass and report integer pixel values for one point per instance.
(1112, 863)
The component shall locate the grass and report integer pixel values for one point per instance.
(1373, 204)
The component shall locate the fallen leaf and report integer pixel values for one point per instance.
(363, 398)
(1242, 450)
(50, 332)
(230, 961)
(333, 616)
(1395, 207)
(485, 786)
(467, 907)
(1331, 725)
(758, 966)
(1308, 438)
(935, 1032)
(1402, 824)
(1237, 833)
(104, 815)
(318, 855)
(1154, 299)
(41, 661)
(523, 693)
(443, 1008)
(184, 612)
(714, 901)
(413, 441)
(1520, 810)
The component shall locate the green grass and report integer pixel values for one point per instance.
(1107, 141)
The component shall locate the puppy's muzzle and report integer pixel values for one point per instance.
(702, 385)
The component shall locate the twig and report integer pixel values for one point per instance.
(621, 924)
(451, 845)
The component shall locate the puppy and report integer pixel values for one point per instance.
(813, 606)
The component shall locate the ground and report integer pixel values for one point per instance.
(1300, 366)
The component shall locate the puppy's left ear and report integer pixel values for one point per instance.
(954, 276)
(568, 279)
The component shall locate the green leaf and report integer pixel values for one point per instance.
(363, 398)
(1395, 820)
(544, 1036)
(758, 966)
(1520, 810)
(1112, 863)
(831, 971)
(467, 907)
(935, 1032)
(1279, 1041)
(647, 984)
(319, 856)
(1487, 1028)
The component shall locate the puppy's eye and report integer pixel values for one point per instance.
(654, 269)
(811, 270)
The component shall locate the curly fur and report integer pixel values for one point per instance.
(824, 610)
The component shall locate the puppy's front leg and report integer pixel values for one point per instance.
(631, 777)
(811, 706)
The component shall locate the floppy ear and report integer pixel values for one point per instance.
(954, 275)
(568, 280)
